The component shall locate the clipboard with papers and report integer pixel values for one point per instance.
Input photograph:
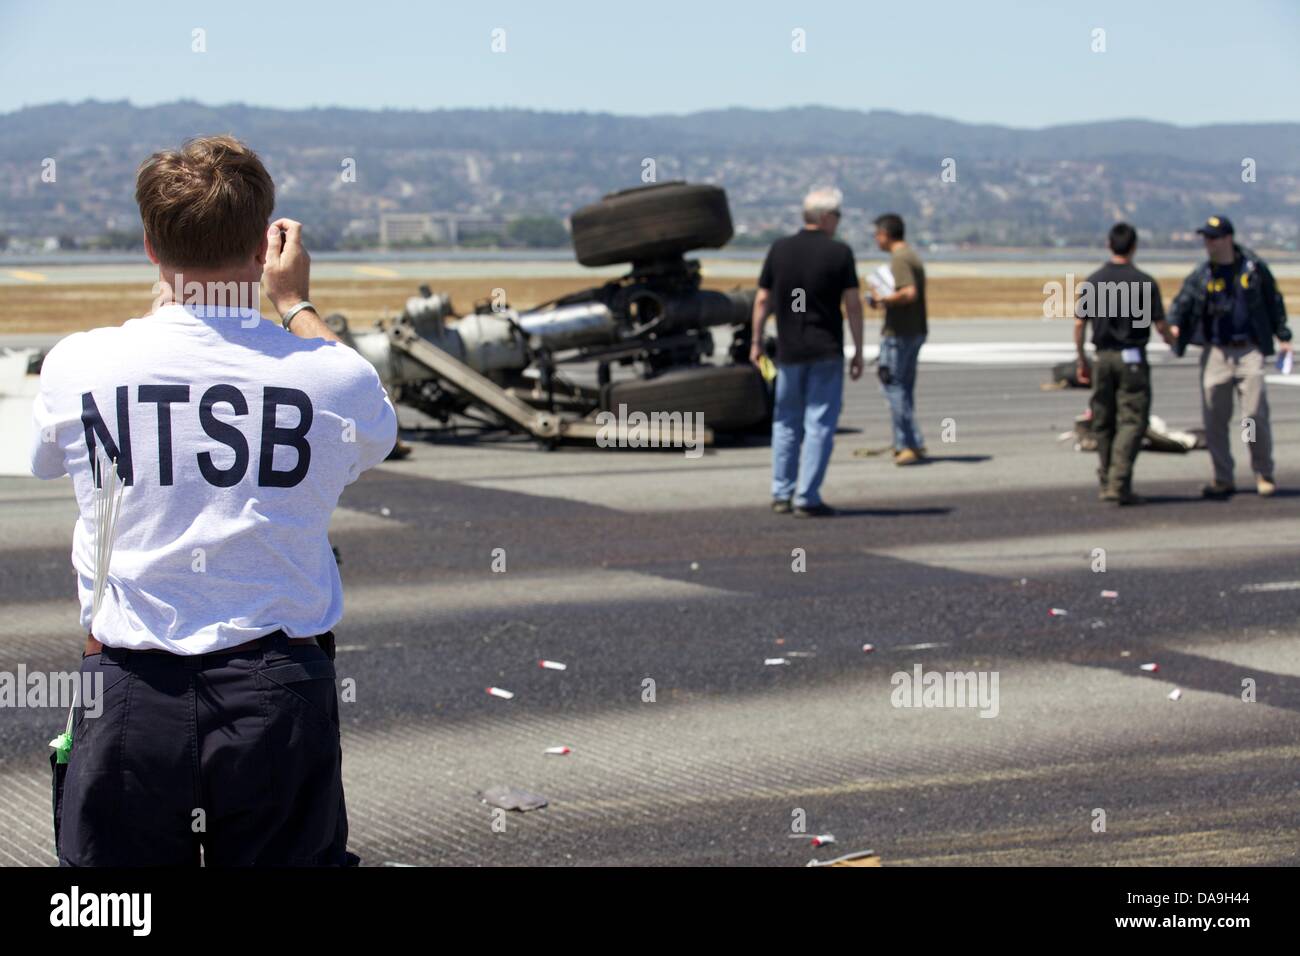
(881, 282)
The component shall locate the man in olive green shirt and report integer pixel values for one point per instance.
(902, 336)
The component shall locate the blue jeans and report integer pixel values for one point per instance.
(808, 400)
(898, 353)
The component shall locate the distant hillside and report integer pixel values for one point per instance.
(1054, 185)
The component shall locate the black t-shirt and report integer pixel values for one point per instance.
(1122, 302)
(806, 275)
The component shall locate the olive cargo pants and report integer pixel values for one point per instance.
(1121, 405)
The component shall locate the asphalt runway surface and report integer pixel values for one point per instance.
(636, 566)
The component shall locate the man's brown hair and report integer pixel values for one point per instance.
(206, 205)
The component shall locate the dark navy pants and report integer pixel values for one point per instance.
(235, 753)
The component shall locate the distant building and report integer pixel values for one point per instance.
(401, 227)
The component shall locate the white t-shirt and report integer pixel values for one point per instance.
(238, 439)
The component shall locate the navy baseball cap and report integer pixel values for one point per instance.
(1215, 227)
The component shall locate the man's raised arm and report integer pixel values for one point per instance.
(286, 276)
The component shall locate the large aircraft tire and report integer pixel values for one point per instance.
(731, 397)
(651, 222)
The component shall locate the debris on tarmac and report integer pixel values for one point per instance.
(1057, 612)
(695, 565)
(1150, 668)
(1110, 594)
(560, 751)
(860, 858)
(385, 511)
(822, 839)
(510, 798)
(503, 694)
(553, 665)
(1175, 693)
(775, 661)
(868, 648)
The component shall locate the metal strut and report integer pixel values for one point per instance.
(545, 425)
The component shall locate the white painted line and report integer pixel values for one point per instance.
(1270, 586)
(1006, 353)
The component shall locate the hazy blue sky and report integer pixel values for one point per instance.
(997, 61)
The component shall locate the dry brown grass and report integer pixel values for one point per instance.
(40, 308)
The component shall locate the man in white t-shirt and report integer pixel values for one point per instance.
(217, 728)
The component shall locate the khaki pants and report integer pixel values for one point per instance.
(1227, 370)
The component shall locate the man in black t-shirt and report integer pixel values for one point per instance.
(1122, 302)
(806, 280)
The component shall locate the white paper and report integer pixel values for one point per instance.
(1284, 362)
(881, 281)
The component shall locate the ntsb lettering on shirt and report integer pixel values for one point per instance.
(215, 427)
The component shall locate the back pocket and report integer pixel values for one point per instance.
(311, 683)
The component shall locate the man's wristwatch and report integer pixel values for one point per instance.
(294, 310)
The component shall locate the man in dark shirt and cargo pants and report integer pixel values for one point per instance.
(806, 278)
(1122, 302)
